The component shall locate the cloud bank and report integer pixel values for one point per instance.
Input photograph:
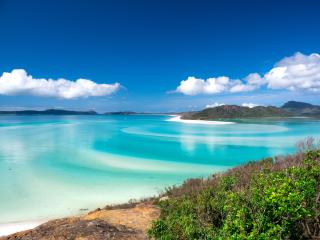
(249, 105)
(298, 72)
(216, 104)
(18, 82)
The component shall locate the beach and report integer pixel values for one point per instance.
(9, 228)
(177, 118)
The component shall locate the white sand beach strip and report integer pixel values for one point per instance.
(178, 119)
(9, 228)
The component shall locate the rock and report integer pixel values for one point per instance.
(164, 198)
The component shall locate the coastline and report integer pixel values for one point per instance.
(129, 221)
(13, 227)
(177, 118)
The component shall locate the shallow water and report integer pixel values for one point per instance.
(53, 166)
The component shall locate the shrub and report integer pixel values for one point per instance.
(263, 200)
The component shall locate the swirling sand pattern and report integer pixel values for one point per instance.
(53, 166)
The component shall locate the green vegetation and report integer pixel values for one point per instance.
(289, 109)
(234, 111)
(269, 199)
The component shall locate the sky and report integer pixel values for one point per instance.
(157, 56)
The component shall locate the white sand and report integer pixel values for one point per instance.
(9, 228)
(178, 119)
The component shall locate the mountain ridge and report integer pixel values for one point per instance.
(302, 108)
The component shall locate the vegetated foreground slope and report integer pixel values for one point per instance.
(269, 199)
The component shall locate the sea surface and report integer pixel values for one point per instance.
(54, 166)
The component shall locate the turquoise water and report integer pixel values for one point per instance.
(53, 166)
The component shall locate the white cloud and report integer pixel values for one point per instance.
(18, 82)
(216, 104)
(298, 72)
(249, 105)
(194, 86)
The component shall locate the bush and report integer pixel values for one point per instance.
(264, 200)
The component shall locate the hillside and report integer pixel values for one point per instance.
(234, 111)
(48, 112)
(269, 199)
(302, 109)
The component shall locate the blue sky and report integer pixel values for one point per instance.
(149, 47)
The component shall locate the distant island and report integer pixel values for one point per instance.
(121, 113)
(289, 109)
(48, 112)
(302, 109)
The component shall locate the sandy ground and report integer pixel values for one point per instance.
(178, 119)
(9, 228)
(118, 224)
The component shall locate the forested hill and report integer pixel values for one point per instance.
(289, 109)
(234, 111)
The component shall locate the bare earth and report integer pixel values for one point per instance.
(129, 223)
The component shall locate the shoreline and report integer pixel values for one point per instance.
(133, 219)
(177, 118)
(14, 227)
(128, 221)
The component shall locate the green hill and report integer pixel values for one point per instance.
(234, 111)
(302, 109)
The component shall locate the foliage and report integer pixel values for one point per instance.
(234, 111)
(263, 200)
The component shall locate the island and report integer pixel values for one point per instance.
(289, 109)
(48, 112)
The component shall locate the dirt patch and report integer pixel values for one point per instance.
(119, 224)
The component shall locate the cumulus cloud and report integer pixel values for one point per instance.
(195, 86)
(18, 82)
(249, 105)
(298, 72)
(216, 104)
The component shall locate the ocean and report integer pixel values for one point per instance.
(55, 166)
